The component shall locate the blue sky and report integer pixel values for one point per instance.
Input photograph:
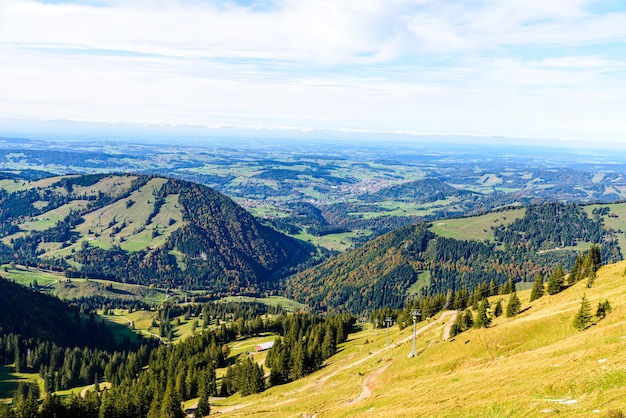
(512, 68)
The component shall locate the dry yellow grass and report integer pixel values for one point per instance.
(536, 364)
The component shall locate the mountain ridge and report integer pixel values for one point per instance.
(146, 230)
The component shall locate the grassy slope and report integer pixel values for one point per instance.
(616, 222)
(9, 380)
(534, 364)
(77, 288)
(98, 226)
(287, 304)
(476, 227)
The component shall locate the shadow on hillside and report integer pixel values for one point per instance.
(119, 291)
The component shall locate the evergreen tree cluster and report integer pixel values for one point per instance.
(245, 377)
(307, 342)
(153, 380)
(586, 266)
(37, 316)
(60, 367)
(584, 317)
(463, 322)
(550, 225)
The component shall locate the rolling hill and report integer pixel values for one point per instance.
(416, 259)
(533, 364)
(143, 230)
(420, 191)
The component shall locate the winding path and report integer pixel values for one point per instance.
(448, 328)
(143, 331)
(366, 391)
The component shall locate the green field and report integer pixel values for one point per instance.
(423, 281)
(477, 227)
(9, 380)
(616, 220)
(76, 288)
(337, 242)
(287, 304)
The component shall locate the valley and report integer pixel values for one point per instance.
(312, 209)
(338, 193)
(188, 283)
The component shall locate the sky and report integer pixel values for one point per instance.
(546, 69)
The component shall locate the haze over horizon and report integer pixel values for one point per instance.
(515, 69)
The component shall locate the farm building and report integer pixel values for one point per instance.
(264, 346)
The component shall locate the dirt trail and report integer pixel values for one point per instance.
(368, 381)
(84, 391)
(143, 331)
(446, 330)
(385, 348)
(366, 392)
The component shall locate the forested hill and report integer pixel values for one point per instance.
(381, 272)
(146, 230)
(419, 191)
(30, 314)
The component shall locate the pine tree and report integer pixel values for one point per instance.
(18, 358)
(52, 407)
(604, 307)
(576, 272)
(328, 346)
(257, 382)
(592, 263)
(555, 281)
(493, 289)
(507, 287)
(155, 405)
(483, 318)
(538, 288)
(582, 319)
(171, 403)
(468, 320)
(107, 407)
(497, 310)
(298, 361)
(5, 410)
(203, 408)
(459, 324)
(591, 277)
(514, 305)
(595, 255)
(27, 406)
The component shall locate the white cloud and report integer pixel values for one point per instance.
(517, 67)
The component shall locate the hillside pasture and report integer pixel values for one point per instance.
(77, 288)
(534, 364)
(287, 304)
(476, 227)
